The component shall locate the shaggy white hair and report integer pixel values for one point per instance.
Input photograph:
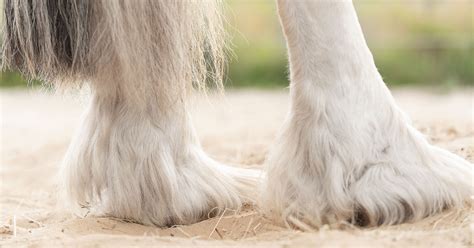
(136, 155)
(347, 152)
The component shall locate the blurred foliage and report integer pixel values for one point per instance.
(422, 42)
(14, 79)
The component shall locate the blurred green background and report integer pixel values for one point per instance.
(416, 42)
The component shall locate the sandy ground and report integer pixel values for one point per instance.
(238, 129)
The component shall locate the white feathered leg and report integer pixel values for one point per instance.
(347, 152)
(136, 155)
(148, 166)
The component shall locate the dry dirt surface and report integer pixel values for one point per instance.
(238, 129)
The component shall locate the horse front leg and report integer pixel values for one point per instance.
(346, 151)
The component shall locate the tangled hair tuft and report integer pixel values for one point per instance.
(123, 44)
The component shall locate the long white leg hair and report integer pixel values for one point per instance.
(347, 152)
(136, 155)
(143, 43)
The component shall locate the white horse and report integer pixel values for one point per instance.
(346, 152)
